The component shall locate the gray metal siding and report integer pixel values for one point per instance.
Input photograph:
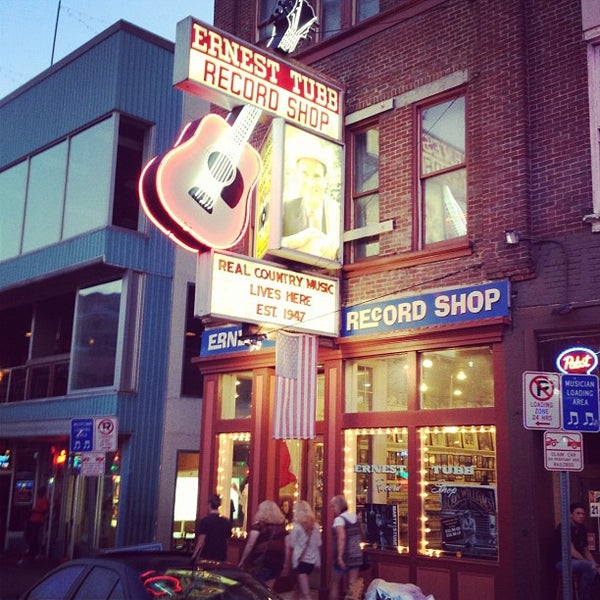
(144, 414)
(151, 253)
(120, 72)
(130, 71)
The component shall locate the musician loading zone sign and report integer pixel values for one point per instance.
(561, 400)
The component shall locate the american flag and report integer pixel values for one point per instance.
(295, 386)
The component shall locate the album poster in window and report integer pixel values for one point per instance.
(468, 517)
(381, 525)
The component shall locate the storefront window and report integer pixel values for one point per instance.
(233, 476)
(377, 385)
(235, 395)
(458, 492)
(457, 378)
(186, 494)
(376, 476)
(289, 457)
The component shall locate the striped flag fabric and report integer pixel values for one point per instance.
(295, 386)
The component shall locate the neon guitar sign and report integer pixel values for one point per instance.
(198, 192)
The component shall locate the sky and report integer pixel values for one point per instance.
(27, 29)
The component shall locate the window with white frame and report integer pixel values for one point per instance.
(442, 196)
(364, 149)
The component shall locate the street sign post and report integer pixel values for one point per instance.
(563, 451)
(93, 464)
(541, 400)
(82, 435)
(580, 403)
(106, 433)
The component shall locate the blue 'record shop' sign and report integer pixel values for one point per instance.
(444, 307)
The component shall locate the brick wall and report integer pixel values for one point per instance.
(527, 129)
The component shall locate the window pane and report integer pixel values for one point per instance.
(457, 378)
(233, 476)
(12, 207)
(191, 378)
(95, 338)
(445, 199)
(458, 491)
(45, 195)
(377, 385)
(366, 160)
(186, 494)
(443, 136)
(366, 179)
(289, 475)
(53, 326)
(99, 583)
(367, 8)
(58, 584)
(314, 475)
(320, 409)
(130, 154)
(89, 179)
(235, 395)
(376, 476)
(331, 18)
(367, 210)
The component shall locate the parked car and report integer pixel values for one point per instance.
(156, 575)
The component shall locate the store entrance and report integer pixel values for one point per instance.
(300, 474)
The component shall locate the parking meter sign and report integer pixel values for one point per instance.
(541, 400)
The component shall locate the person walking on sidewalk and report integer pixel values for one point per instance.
(35, 524)
(303, 548)
(212, 533)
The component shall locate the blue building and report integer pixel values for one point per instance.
(93, 302)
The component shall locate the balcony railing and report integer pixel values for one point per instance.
(37, 379)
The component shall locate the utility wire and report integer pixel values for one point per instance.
(374, 298)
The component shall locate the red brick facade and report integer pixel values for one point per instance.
(522, 66)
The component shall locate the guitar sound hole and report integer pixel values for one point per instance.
(221, 167)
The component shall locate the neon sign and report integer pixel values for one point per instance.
(214, 65)
(577, 360)
(198, 193)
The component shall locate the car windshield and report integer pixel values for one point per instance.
(200, 583)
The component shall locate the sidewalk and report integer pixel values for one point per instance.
(15, 579)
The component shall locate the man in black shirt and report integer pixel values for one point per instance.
(582, 561)
(212, 533)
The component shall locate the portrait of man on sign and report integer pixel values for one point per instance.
(311, 213)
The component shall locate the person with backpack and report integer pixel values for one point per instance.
(303, 548)
(347, 551)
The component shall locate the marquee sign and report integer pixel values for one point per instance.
(251, 291)
(227, 71)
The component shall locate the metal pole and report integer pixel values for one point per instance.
(75, 515)
(565, 531)
(55, 32)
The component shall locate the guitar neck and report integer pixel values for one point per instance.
(244, 124)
